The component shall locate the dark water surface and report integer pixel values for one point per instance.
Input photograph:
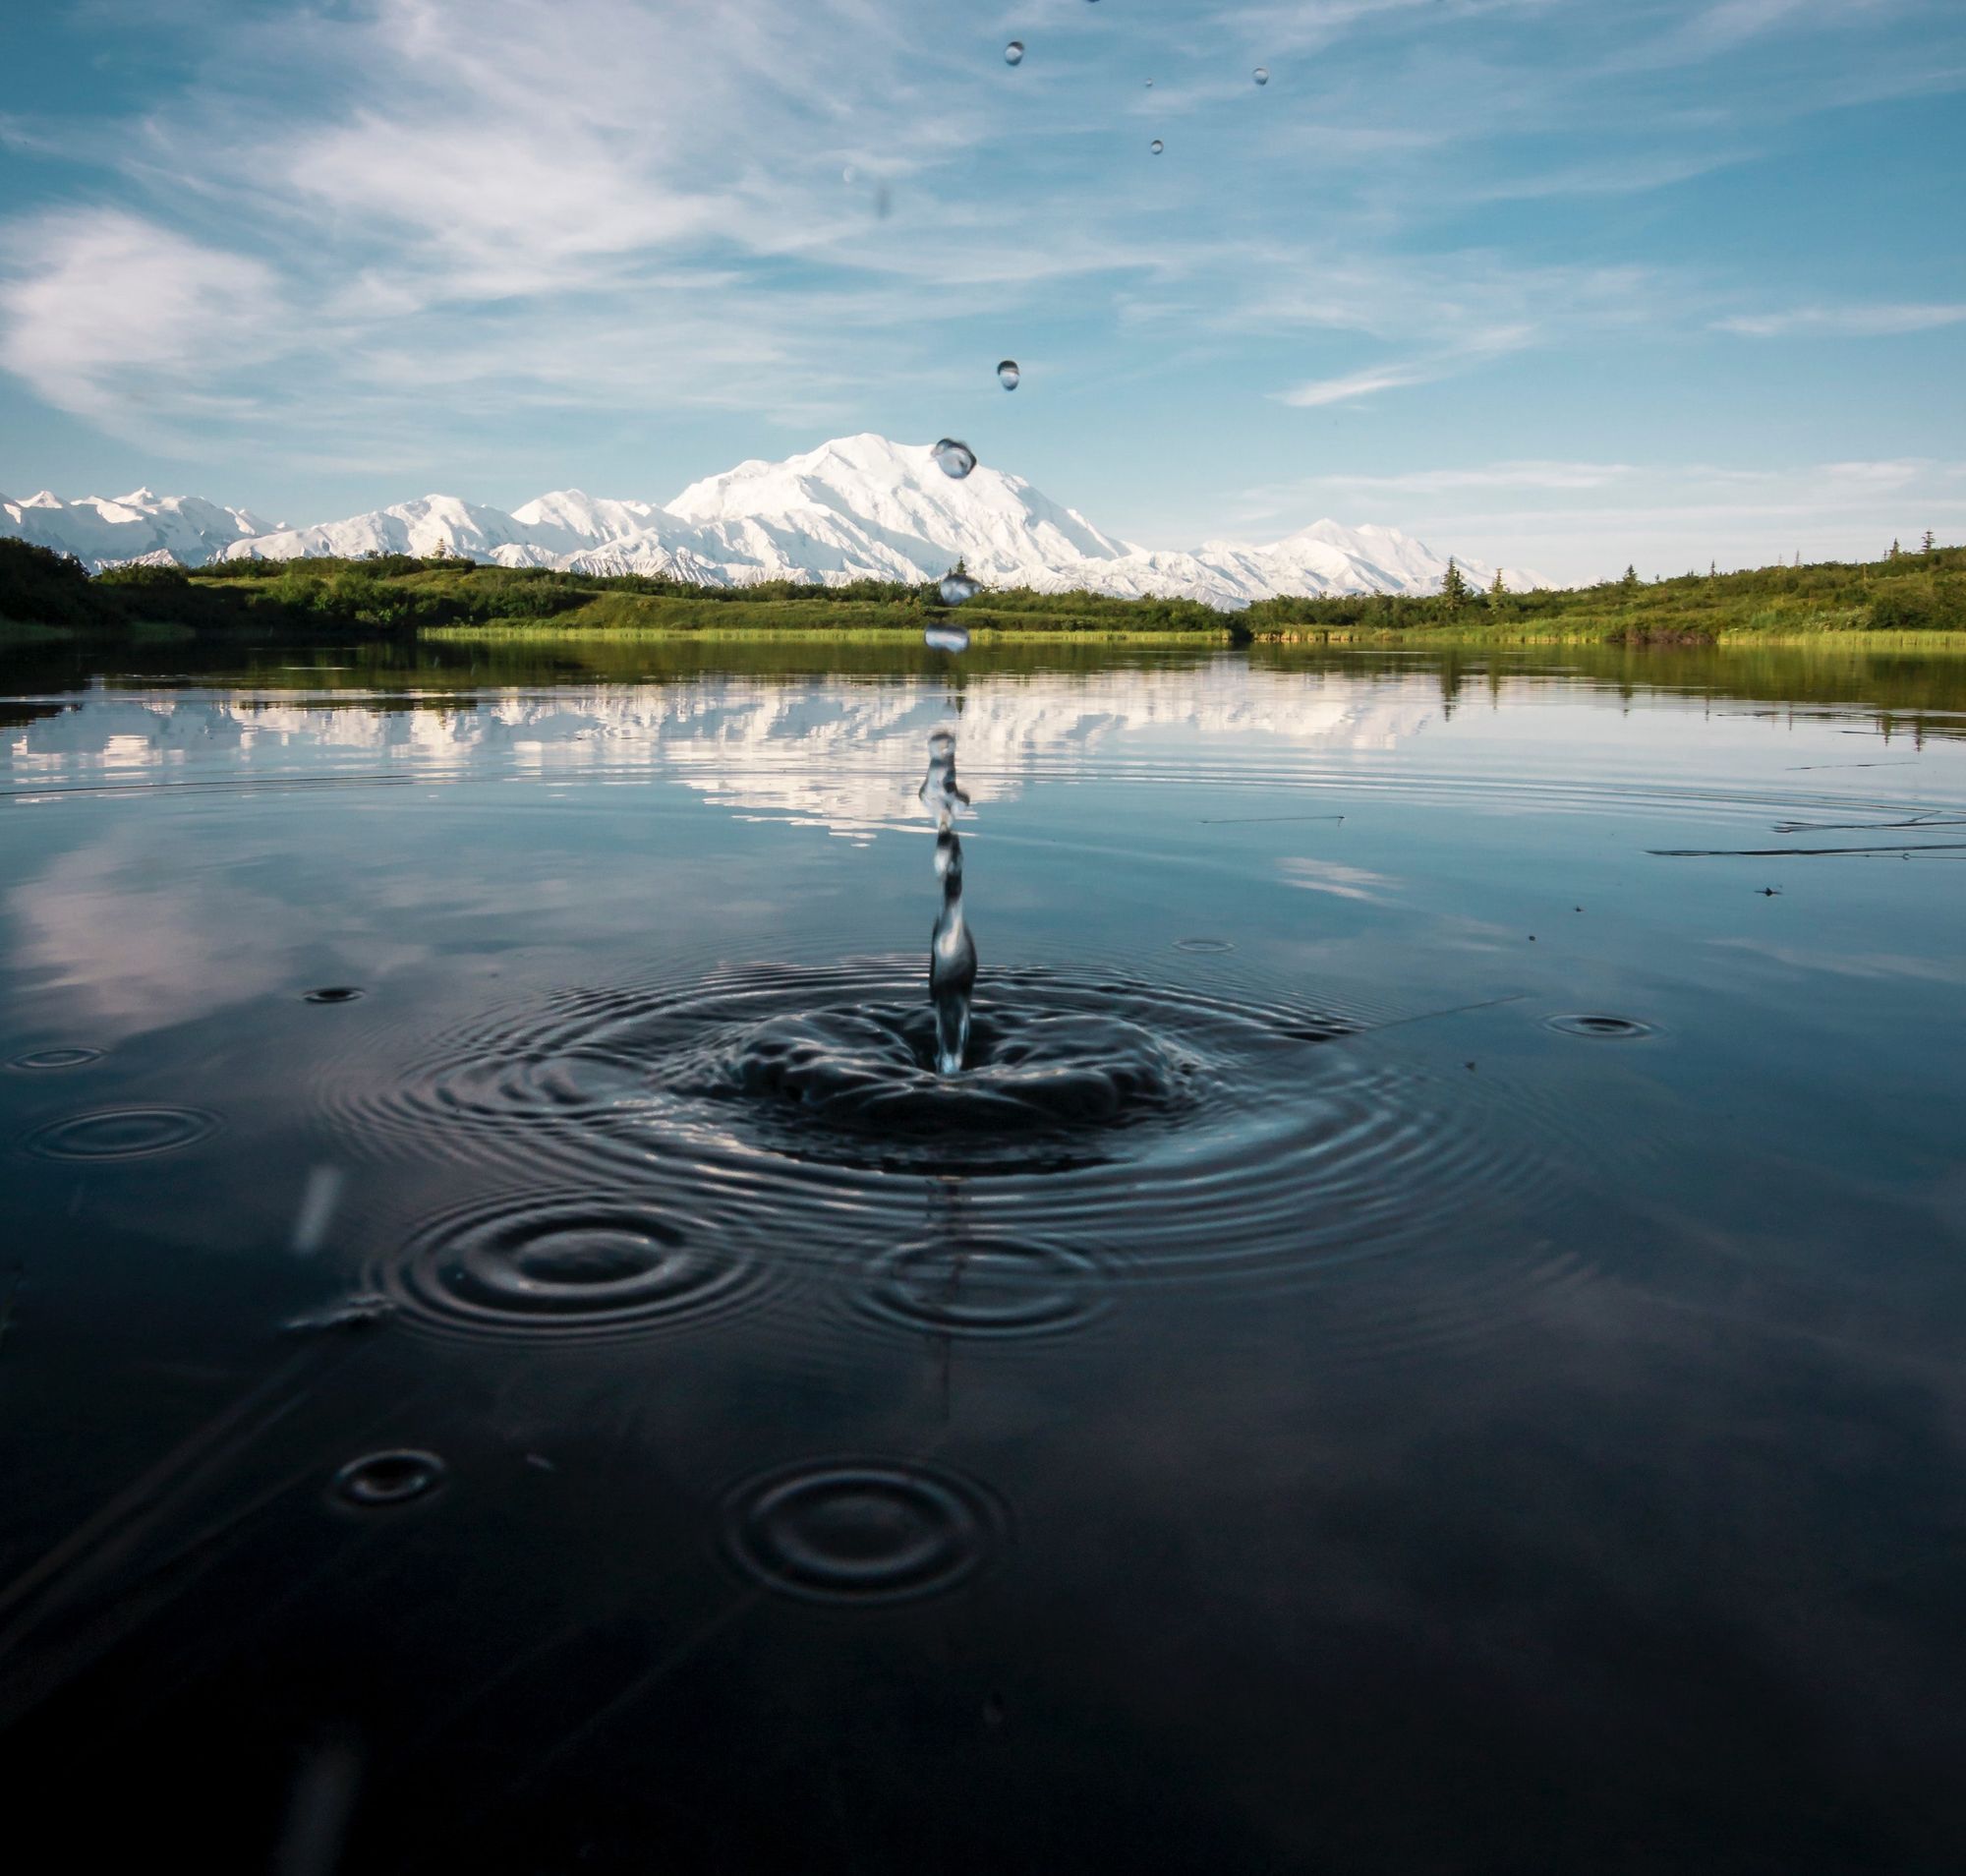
(1427, 1339)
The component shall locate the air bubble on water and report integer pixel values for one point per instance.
(955, 588)
(1008, 374)
(1156, 147)
(954, 459)
(1013, 53)
(1263, 75)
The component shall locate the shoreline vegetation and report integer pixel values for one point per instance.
(1911, 600)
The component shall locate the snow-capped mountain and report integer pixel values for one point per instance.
(102, 531)
(858, 507)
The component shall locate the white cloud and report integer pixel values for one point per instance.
(1843, 321)
(101, 311)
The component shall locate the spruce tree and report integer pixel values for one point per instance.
(1453, 588)
(1631, 578)
(1496, 590)
(1928, 540)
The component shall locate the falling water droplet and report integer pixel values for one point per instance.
(1263, 75)
(954, 459)
(1156, 147)
(957, 587)
(949, 638)
(1008, 374)
(1013, 53)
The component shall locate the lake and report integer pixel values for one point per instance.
(1426, 1336)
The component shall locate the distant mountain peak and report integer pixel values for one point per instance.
(862, 506)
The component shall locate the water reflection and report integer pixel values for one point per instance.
(1396, 1235)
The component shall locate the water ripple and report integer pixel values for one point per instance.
(123, 1133)
(862, 1531)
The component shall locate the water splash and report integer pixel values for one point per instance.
(951, 957)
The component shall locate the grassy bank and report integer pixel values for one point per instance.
(1906, 600)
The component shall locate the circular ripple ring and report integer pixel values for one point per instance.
(123, 1133)
(861, 1531)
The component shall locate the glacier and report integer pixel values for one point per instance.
(857, 507)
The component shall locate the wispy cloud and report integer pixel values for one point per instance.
(1399, 376)
(1842, 321)
(112, 317)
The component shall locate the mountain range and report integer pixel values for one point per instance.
(857, 507)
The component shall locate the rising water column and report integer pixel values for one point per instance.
(952, 954)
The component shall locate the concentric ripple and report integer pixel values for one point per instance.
(56, 1057)
(569, 1264)
(1612, 1029)
(123, 1133)
(983, 1286)
(862, 1531)
(1239, 1130)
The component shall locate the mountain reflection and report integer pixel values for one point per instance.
(810, 749)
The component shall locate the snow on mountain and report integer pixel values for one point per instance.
(857, 507)
(432, 524)
(101, 531)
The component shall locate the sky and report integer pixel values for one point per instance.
(1560, 284)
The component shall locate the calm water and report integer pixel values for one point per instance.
(1427, 1338)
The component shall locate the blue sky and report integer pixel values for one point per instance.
(1558, 283)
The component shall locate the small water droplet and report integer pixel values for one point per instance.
(1263, 75)
(948, 638)
(848, 174)
(389, 1478)
(1156, 147)
(1013, 53)
(955, 588)
(954, 459)
(1008, 374)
